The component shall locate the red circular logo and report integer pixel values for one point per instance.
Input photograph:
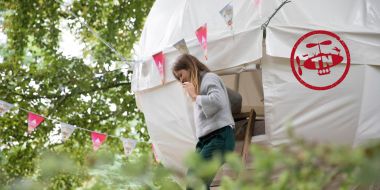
(318, 58)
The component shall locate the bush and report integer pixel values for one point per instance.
(297, 165)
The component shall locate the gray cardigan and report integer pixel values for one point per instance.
(212, 108)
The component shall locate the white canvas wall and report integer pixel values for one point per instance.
(347, 114)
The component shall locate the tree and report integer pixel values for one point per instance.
(35, 75)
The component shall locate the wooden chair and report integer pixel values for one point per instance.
(247, 127)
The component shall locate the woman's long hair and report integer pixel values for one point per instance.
(193, 65)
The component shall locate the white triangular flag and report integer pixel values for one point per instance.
(181, 46)
(4, 107)
(129, 145)
(227, 13)
(66, 130)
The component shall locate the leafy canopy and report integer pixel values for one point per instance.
(37, 76)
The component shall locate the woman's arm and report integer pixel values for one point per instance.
(214, 98)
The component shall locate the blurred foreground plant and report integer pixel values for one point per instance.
(297, 165)
(302, 165)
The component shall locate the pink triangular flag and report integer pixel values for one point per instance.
(34, 121)
(159, 59)
(201, 34)
(97, 139)
(155, 154)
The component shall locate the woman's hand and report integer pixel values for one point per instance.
(190, 89)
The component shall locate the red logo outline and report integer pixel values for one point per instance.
(325, 33)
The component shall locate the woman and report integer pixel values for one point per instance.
(213, 118)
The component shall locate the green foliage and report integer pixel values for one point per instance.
(105, 171)
(297, 165)
(35, 75)
(303, 165)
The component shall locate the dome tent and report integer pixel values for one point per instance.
(259, 69)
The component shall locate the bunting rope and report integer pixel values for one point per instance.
(58, 121)
(34, 120)
(110, 71)
(98, 138)
(265, 24)
(201, 33)
(128, 62)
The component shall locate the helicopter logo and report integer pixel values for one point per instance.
(316, 62)
(327, 53)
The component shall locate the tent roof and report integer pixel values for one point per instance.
(170, 21)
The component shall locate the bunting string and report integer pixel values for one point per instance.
(98, 138)
(34, 120)
(57, 121)
(129, 63)
(201, 33)
(266, 23)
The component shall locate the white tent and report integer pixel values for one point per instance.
(260, 70)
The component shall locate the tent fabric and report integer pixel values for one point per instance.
(330, 116)
(168, 22)
(369, 120)
(357, 22)
(346, 114)
(170, 123)
(340, 115)
(249, 85)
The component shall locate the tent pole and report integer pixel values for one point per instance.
(237, 82)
